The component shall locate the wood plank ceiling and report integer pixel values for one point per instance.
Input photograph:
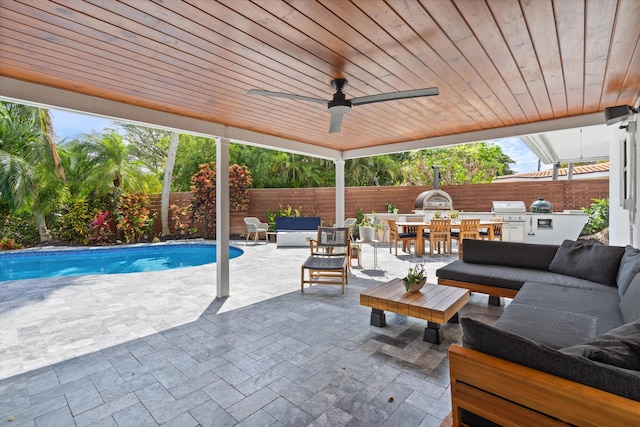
(496, 63)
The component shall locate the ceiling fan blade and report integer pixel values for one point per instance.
(413, 93)
(336, 121)
(286, 95)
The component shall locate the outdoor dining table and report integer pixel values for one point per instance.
(421, 227)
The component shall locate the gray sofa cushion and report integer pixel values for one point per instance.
(630, 303)
(597, 263)
(561, 316)
(505, 345)
(507, 277)
(554, 328)
(629, 268)
(619, 347)
(510, 254)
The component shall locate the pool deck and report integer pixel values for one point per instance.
(147, 349)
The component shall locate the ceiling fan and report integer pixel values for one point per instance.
(340, 105)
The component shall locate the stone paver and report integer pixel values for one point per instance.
(152, 349)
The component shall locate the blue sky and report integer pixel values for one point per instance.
(68, 125)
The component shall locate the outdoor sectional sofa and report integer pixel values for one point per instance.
(296, 231)
(566, 350)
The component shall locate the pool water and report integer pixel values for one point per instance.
(113, 260)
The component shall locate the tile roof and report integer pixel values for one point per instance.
(577, 170)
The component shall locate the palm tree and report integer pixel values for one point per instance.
(102, 163)
(31, 174)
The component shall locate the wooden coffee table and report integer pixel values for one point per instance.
(436, 304)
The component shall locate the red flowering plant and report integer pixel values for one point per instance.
(100, 229)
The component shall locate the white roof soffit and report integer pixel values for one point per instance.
(18, 91)
(589, 143)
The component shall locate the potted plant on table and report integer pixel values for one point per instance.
(415, 278)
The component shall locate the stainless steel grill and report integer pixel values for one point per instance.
(514, 214)
(510, 211)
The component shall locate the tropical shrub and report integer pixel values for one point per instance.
(289, 211)
(134, 220)
(100, 229)
(239, 182)
(7, 244)
(180, 219)
(598, 216)
(203, 188)
(203, 202)
(74, 224)
(19, 227)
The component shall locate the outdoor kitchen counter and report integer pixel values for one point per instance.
(554, 228)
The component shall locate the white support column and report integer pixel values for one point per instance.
(339, 192)
(222, 217)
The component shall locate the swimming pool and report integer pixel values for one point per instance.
(111, 260)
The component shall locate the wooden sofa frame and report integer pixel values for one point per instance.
(515, 395)
(494, 292)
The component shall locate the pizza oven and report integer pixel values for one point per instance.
(435, 199)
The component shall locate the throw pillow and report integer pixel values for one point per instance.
(597, 263)
(629, 267)
(630, 302)
(619, 347)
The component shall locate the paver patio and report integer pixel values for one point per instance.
(152, 349)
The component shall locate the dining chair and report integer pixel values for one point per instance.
(439, 234)
(493, 231)
(395, 237)
(469, 229)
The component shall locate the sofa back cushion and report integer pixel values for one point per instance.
(630, 302)
(308, 223)
(629, 268)
(597, 263)
(514, 348)
(509, 254)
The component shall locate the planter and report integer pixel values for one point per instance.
(415, 287)
(367, 234)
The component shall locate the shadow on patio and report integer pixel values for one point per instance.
(159, 349)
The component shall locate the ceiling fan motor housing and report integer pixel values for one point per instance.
(339, 100)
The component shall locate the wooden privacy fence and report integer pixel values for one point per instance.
(565, 194)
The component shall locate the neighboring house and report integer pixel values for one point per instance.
(598, 170)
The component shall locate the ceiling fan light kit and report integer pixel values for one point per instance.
(340, 104)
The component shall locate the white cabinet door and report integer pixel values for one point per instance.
(513, 232)
(516, 232)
